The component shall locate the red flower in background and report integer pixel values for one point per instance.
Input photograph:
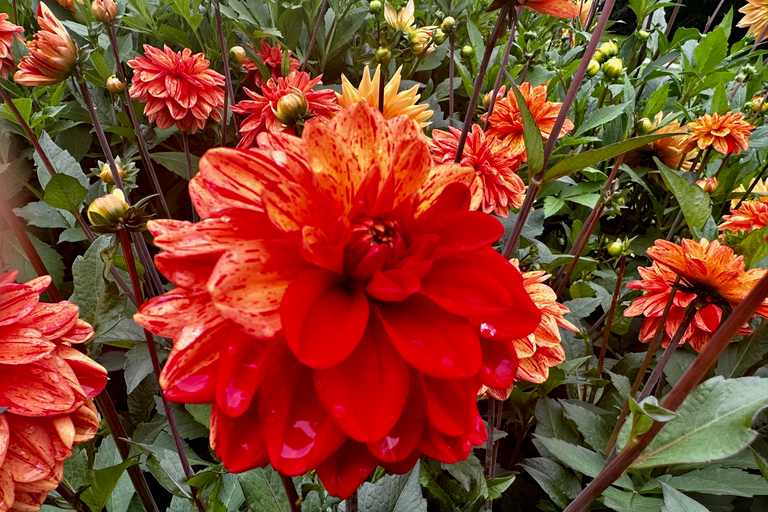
(46, 386)
(751, 215)
(339, 305)
(557, 8)
(8, 31)
(262, 109)
(177, 88)
(272, 57)
(496, 187)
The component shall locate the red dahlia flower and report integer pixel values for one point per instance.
(557, 8)
(751, 215)
(339, 305)
(52, 53)
(264, 109)
(272, 57)
(46, 386)
(177, 88)
(8, 31)
(496, 186)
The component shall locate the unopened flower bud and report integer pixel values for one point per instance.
(708, 185)
(748, 70)
(104, 10)
(448, 24)
(374, 7)
(593, 68)
(643, 35)
(237, 54)
(291, 108)
(107, 211)
(105, 174)
(439, 36)
(758, 102)
(467, 52)
(609, 49)
(383, 55)
(616, 248)
(644, 126)
(115, 85)
(613, 68)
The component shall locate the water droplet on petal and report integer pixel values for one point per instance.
(487, 330)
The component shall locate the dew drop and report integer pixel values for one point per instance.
(487, 330)
(338, 411)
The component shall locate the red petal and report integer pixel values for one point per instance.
(451, 404)
(443, 448)
(239, 442)
(366, 393)
(394, 285)
(21, 345)
(243, 365)
(344, 471)
(40, 388)
(91, 376)
(465, 231)
(499, 364)
(16, 301)
(30, 453)
(401, 441)
(431, 339)
(52, 320)
(708, 318)
(323, 317)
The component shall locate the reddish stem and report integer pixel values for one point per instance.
(320, 16)
(496, 86)
(295, 502)
(609, 321)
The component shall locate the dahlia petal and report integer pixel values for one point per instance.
(402, 439)
(324, 318)
(393, 285)
(451, 404)
(52, 320)
(239, 442)
(30, 456)
(80, 333)
(7, 489)
(21, 345)
(243, 365)
(460, 232)
(439, 178)
(344, 471)
(16, 302)
(39, 388)
(333, 162)
(91, 376)
(4, 440)
(500, 361)
(438, 446)
(366, 133)
(708, 318)
(367, 391)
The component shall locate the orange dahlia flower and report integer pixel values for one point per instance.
(726, 133)
(52, 53)
(396, 102)
(272, 57)
(751, 215)
(542, 349)
(755, 18)
(496, 186)
(46, 386)
(557, 8)
(669, 150)
(506, 124)
(339, 305)
(177, 88)
(7, 33)
(759, 192)
(262, 108)
(69, 4)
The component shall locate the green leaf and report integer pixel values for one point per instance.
(720, 102)
(560, 484)
(710, 52)
(656, 102)
(264, 490)
(497, 486)
(137, 366)
(108, 456)
(594, 427)
(600, 117)
(42, 215)
(739, 357)
(753, 247)
(102, 482)
(393, 493)
(534, 142)
(675, 501)
(470, 474)
(23, 105)
(176, 162)
(580, 459)
(13, 256)
(101, 66)
(61, 160)
(693, 201)
(65, 192)
(586, 159)
(621, 501)
(713, 423)
(720, 481)
(428, 481)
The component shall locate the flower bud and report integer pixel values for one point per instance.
(108, 210)
(708, 185)
(383, 55)
(758, 102)
(105, 174)
(115, 85)
(467, 52)
(448, 25)
(644, 126)
(643, 35)
(291, 108)
(600, 57)
(616, 248)
(374, 7)
(613, 68)
(52, 53)
(609, 49)
(593, 68)
(104, 10)
(748, 70)
(237, 54)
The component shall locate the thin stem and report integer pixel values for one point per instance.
(293, 497)
(320, 16)
(125, 241)
(591, 15)
(751, 51)
(714, 14)
(15, 16)
(489, 441)
(515, 14)
(752, 186)
(479, 80)
(608, 322)
(352, 503)
(229, 91)
(190, 170)
(382, 86)
(690, 379)
(672, 18)
(71, 498)
(33, 256)
(128, 109)
(451, 75)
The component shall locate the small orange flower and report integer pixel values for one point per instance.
(507, 124)
(7, 32)
(669, 150)
(557, 8)
(755, 18)
(261, 109)
(726, 133)
(708, 185)
(177, 88)
(272, 57)
(751, 215)
(69, 4)
(496, 186)
(52, 53)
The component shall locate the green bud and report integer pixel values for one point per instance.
(291, 108)
(643, 35)
(613, 68)
(593, 68)
(467, 52)
(448, 24)
(107, 211)
(383, 55)
(644, 126)
(439, 36)
(600, 57)
(609, 49)
(616, 248)
(374, 7)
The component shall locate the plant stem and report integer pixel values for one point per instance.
(479, 80)
(515, 15)
(71, 498)
(141, 141)
(752, 186)
(672, 18)
(690, 379)
(351, 503)
(320, 16)
(536, 182)
(125, 241)
(489, 441)
(751, 51)
(15, 16)
(712, 18)
(229, 92)
(190, 170)
(382, 86)
(293, 497)
(451, 75)
(33, 256)
(591, 15)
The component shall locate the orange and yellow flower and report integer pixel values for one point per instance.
(755, 18)
(396, 102)
(8, 31)
(46, 386)
(496, 187)
(339, 304)
(759, 192)
(584, 7)
(402, 19)
(52, 53)
(69, 4)
(669, 150)
(708, 185)
(751, 215)
(262, 108)
(557, 8)
(272, 57)
(177, 88)
(506, 124)
(726, 133)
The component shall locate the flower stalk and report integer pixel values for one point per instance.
(229, 91)
(515, 14)
(608, 322)
(320, 16)
(293, 497)
(451, 75)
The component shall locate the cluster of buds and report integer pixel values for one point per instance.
(606, 57)
(606, 51)
(110, 213)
